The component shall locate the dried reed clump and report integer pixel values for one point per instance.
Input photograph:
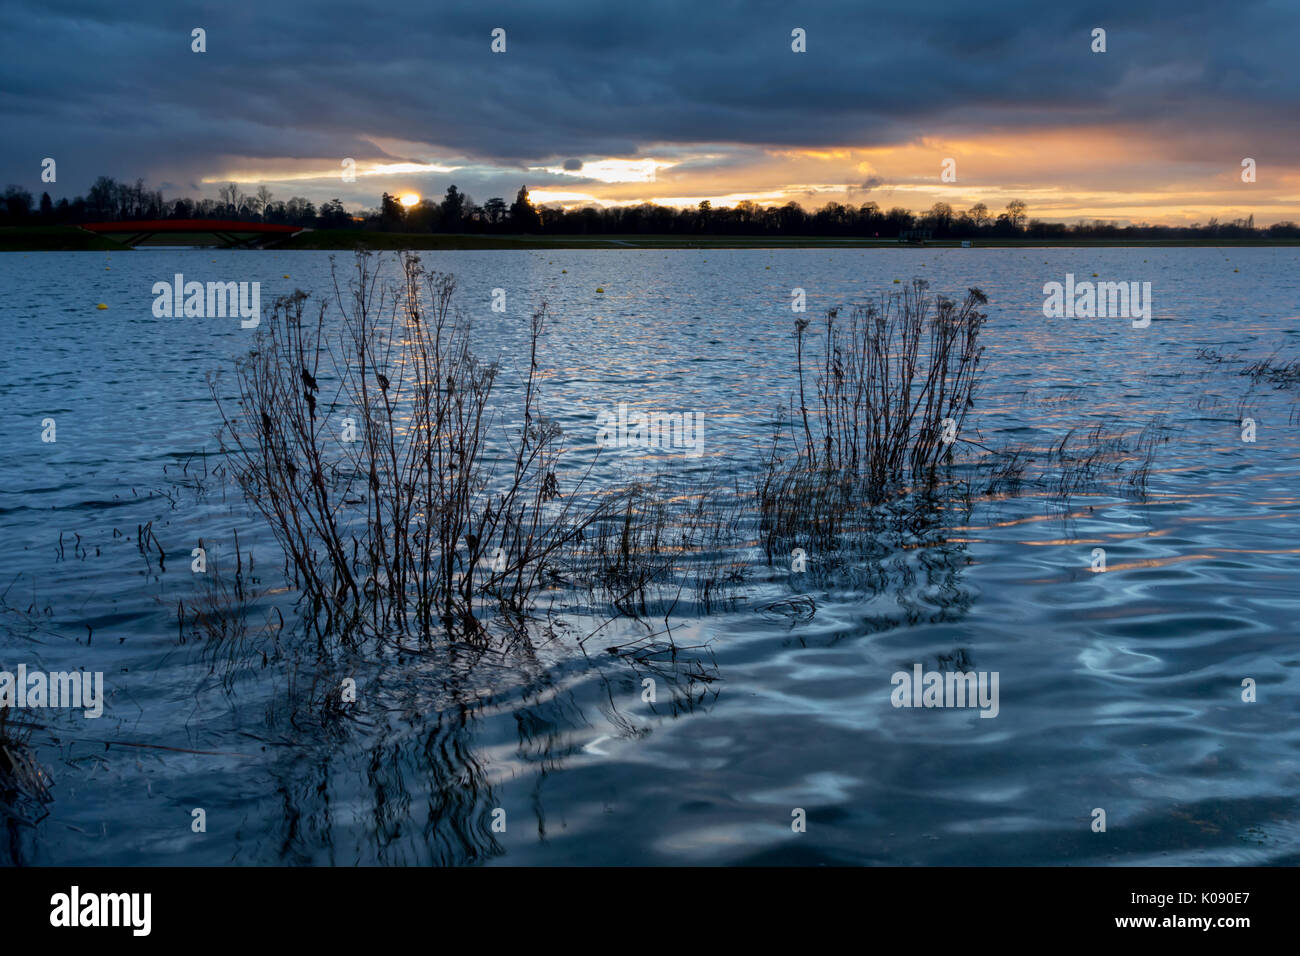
(375, 454)
(224, 615)
(889, 377)
(665, 541)
(1274, 371)
(1277, 371)
(1111, 458)
(24, 783)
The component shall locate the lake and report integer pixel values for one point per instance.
(772, 737)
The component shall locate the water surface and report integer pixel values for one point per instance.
(1119, 690)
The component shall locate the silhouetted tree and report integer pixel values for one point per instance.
(18, 203)
(1016, 214)
(99, 200)
(523, 217)
(495, 210)
(391, 213)
(333, 215)
(262, 199)
(453, 209)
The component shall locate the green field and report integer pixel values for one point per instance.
(351, 239)
(56, 238)
(52, 239)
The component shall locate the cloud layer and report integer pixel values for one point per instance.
(707, 96)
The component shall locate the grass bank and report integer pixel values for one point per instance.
(352, 239)
(70, 238)
(52, 239)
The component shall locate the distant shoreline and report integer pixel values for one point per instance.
(68, 238)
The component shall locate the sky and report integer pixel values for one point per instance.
(670, 102)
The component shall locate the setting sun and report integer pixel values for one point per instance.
(409, 199)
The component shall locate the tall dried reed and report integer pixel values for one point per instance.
(893, 387)
(373, 449)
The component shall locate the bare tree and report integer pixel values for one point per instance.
(1016, 213)
(234, 200)
(263, 199)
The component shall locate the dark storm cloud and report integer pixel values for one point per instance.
(114, 88)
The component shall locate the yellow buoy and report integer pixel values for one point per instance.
(1236, 270)
(564, 271)
(101, 306)
(1094, 275)
(286, 275)
(898, 280)
(600, 289)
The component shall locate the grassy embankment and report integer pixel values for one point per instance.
(58, 238)
(52, 239)
(351, 239)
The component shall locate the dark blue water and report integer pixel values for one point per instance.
(1119, 690)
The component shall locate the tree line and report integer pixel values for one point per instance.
(110, 201)
(457, 212)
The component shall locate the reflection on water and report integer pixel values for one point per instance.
(691, 740)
